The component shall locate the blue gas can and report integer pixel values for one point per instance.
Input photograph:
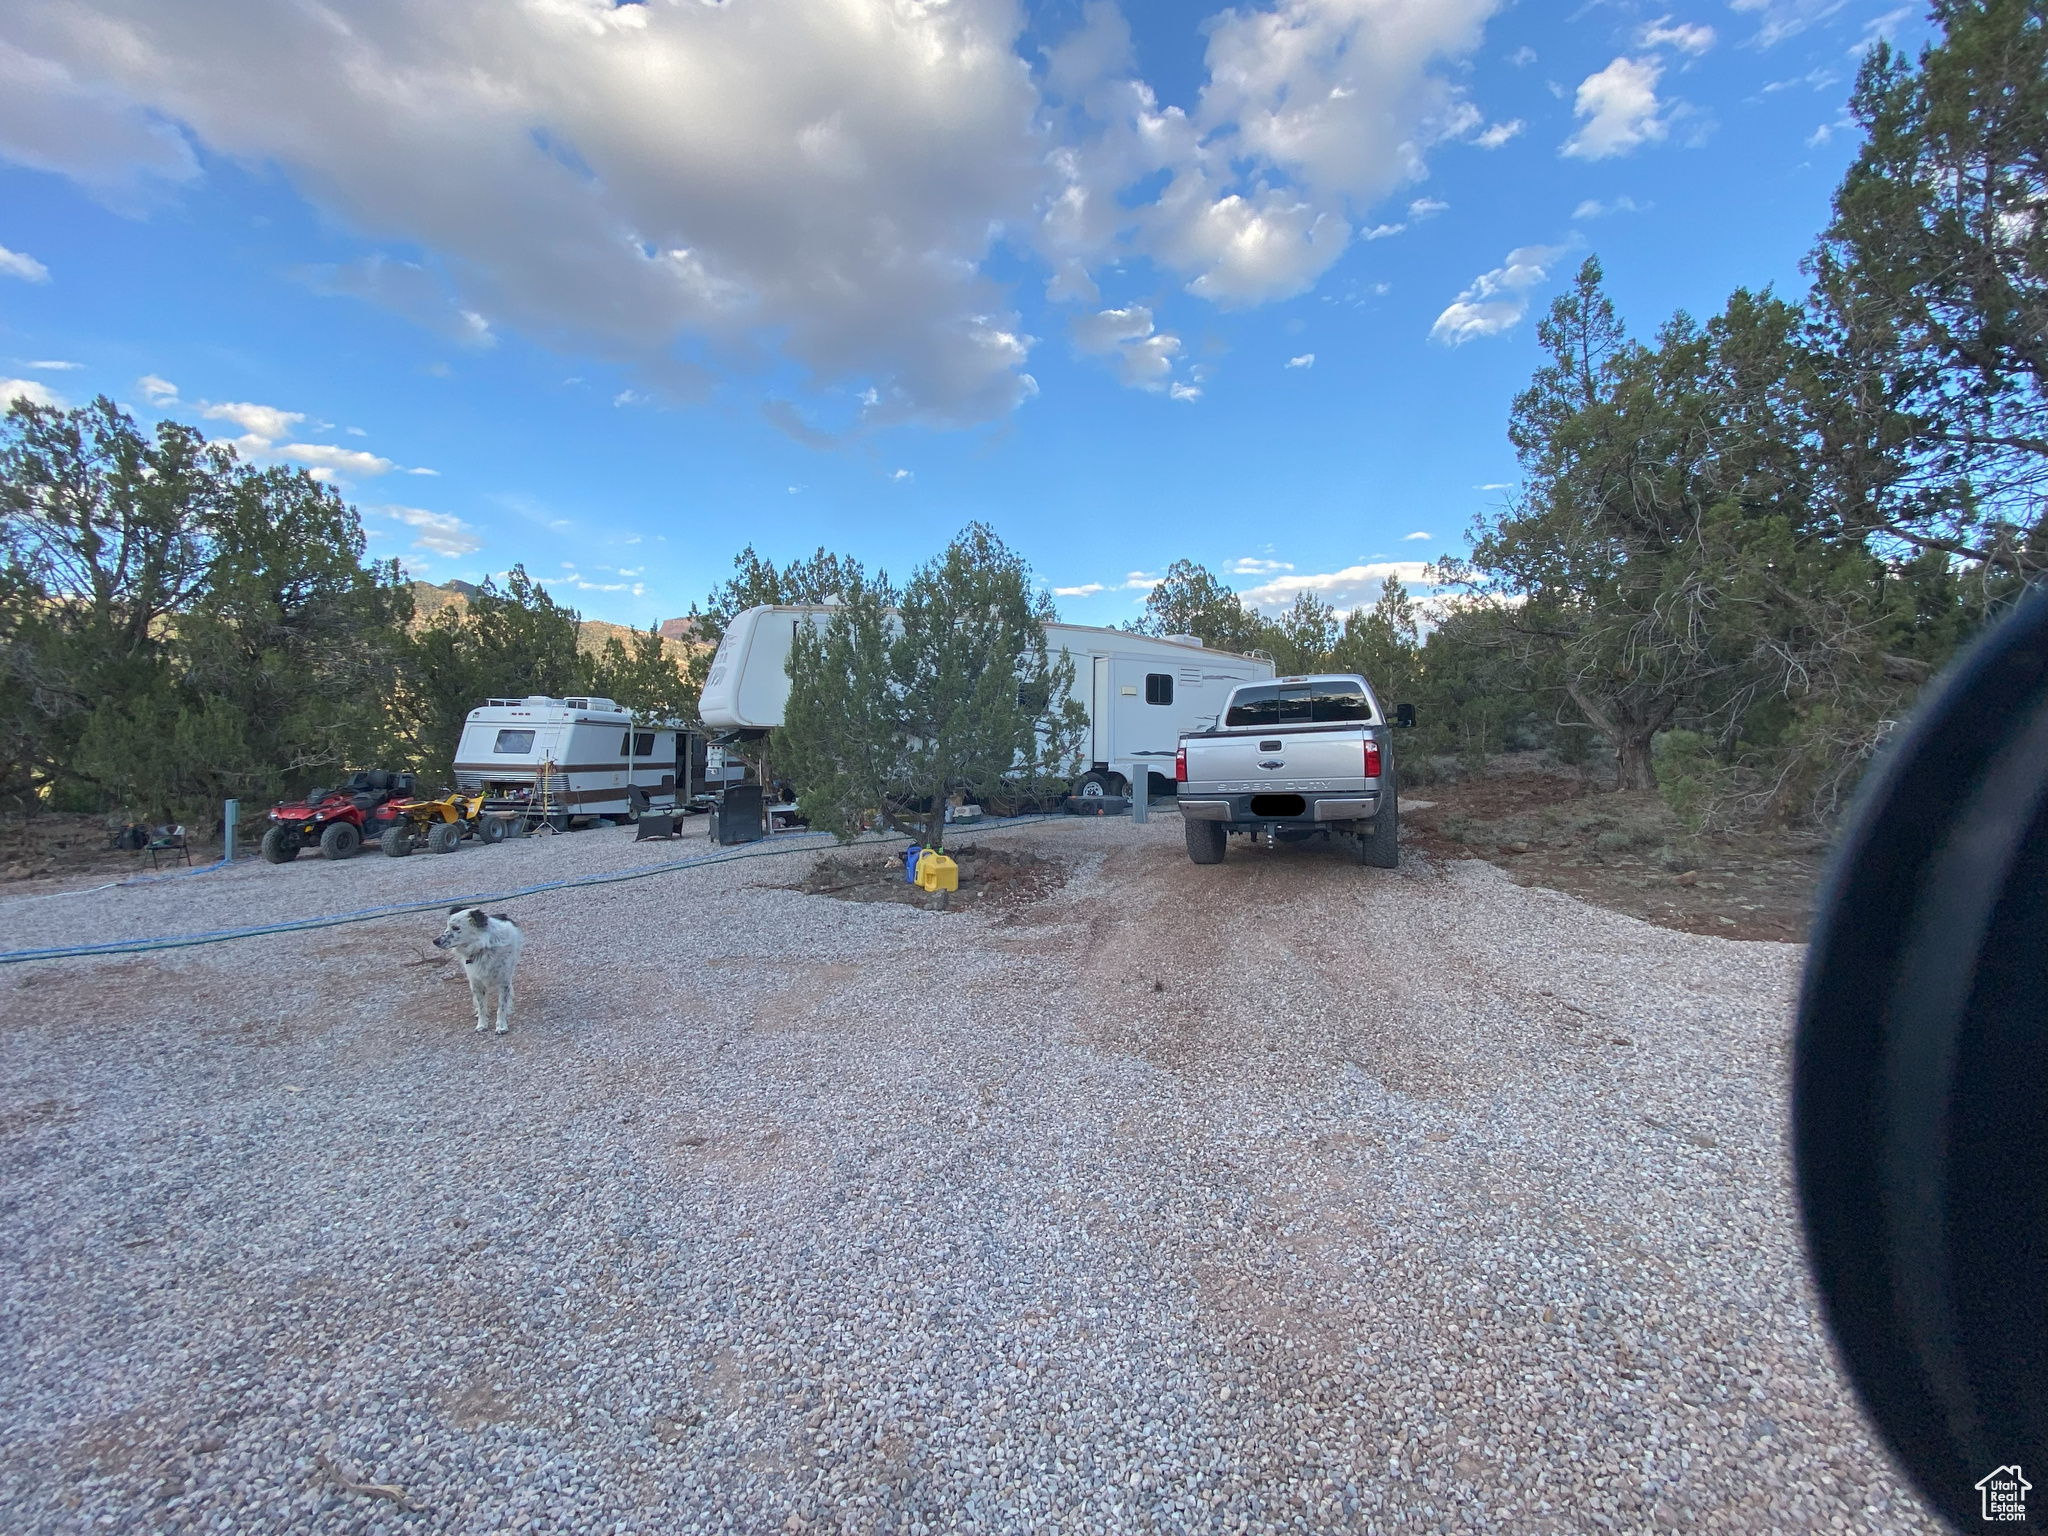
(910, 857)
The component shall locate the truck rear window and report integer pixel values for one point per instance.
(520, 742)
(1329, 703)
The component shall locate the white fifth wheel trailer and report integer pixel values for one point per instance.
(578, 757)
(1141, 691)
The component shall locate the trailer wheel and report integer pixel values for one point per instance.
(280, 845)
(1092, 785)
(1206, 841)
(443, 836)
(397, 842)
(1382, 848)
(340, 841)
(491, 828)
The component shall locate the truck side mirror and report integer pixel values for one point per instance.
(1404, 716)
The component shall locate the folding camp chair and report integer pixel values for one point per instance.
(168, 840)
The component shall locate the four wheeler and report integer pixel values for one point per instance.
(336, 821)
(441, 823)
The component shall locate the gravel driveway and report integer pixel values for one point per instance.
(1281, 1195)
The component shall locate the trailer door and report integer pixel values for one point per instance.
(1101, 712)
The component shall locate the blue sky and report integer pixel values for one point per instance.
(614, 291)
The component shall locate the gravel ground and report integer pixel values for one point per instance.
(1281, 1195)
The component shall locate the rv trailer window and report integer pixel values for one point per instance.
(1158, 687)
(643, 744)
(625, 743)
(517, 742)
(1254, 706)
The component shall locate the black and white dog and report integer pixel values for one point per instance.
(489, 946)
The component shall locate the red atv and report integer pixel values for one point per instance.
(338, 821)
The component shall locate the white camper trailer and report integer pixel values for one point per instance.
(579, 757)
(1141, 691)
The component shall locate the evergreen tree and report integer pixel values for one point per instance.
(895, 707)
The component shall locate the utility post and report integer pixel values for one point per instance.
(230, 813)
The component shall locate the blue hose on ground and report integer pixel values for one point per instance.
(785, 843)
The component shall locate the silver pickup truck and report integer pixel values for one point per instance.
(1294, 758)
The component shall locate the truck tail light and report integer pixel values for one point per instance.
(1372, 759)
(1180, 766)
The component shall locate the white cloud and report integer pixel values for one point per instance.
(1253, 565)
(1187, 392)
(1496, 299)
(1495, 485)
(823, 180)
(1144, 356)
(1382, 231)
(86, 128)
(1785, 18)
(338, 460)
(1349, 588)
(1086, 589)
(31, 390)
(1879, 29)
(1417, 535)
(1306, 360)
(439, 532)
(264, 421)
(54, 365)
(1593, 208)
(903, 474)
(160, 391)
(1522, 57)
(697, 191)
(1685, 36)
(1621, 109)
(1313, 111)
(1498, 133)
(1426, 208)
(417, 471)
(1813, 79)
(1138, 581)
(22, 265)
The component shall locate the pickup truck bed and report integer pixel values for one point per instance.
(1301, 757)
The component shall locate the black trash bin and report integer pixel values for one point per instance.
(737, 816)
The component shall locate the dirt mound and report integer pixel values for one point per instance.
(1620, 850)
(989, 877)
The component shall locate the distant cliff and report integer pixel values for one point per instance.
(428, 600)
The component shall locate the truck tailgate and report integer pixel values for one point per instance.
(1280, 760)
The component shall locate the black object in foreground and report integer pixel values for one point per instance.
(1920, 1086)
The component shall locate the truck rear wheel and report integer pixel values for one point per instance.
(1206, 841)
(280, 845)
(1381, 849)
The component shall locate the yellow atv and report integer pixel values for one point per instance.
(441, 824)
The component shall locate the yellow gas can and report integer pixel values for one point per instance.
(936, 872)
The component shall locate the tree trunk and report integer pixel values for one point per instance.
(1629, 727)
(1632, 766)
(935, 823)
